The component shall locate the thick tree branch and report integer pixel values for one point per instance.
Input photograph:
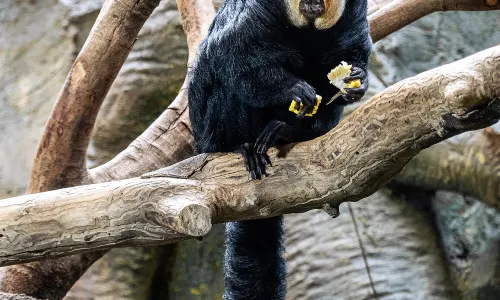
(349, 163)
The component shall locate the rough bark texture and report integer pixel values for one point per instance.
(352, 161)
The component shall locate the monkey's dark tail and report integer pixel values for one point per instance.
(254, 267)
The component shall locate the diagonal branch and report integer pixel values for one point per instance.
(60, 160)
(349, 163)
(389, 16)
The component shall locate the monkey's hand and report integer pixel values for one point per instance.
(303, 93)
(254, 162)
(355, 94)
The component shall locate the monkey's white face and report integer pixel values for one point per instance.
(323, 13)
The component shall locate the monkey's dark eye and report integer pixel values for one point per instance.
(312, 9)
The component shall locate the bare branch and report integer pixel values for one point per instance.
(390, 16)
(349, 163)
(60, 160)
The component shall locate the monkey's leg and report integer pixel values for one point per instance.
(355, 94)
(275, 133)
(254, 162)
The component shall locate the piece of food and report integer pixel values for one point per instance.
(297, 111)
(337, 76)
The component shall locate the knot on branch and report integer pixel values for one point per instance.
(479, 117)
(182, 216)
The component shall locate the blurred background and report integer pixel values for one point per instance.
(401, 243)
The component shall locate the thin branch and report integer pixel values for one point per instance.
(349, 163)
(390, 16)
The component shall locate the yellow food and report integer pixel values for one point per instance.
(297, 111)
(337, 76)
(341, 72)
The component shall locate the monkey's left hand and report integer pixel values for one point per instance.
(355, 94)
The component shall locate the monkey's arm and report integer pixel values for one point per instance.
(359, 55)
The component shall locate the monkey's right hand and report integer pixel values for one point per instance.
(303, 94)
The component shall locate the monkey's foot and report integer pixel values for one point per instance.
(254, 162)
(355, 94)
(274, 134)
(303, 93)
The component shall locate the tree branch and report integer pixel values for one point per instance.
(168, 139)
(394, 15)
(349, 163)
(60, 160)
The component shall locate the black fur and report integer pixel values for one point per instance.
(250, 67)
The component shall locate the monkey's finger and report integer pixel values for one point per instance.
(302, 113)
(310, 94)
(354, 77)
(356, 71)
(244, 151)
(268, 159)
(298, 101)
(356, 91)
(261, 165)
(257, 166)
(305, 108)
